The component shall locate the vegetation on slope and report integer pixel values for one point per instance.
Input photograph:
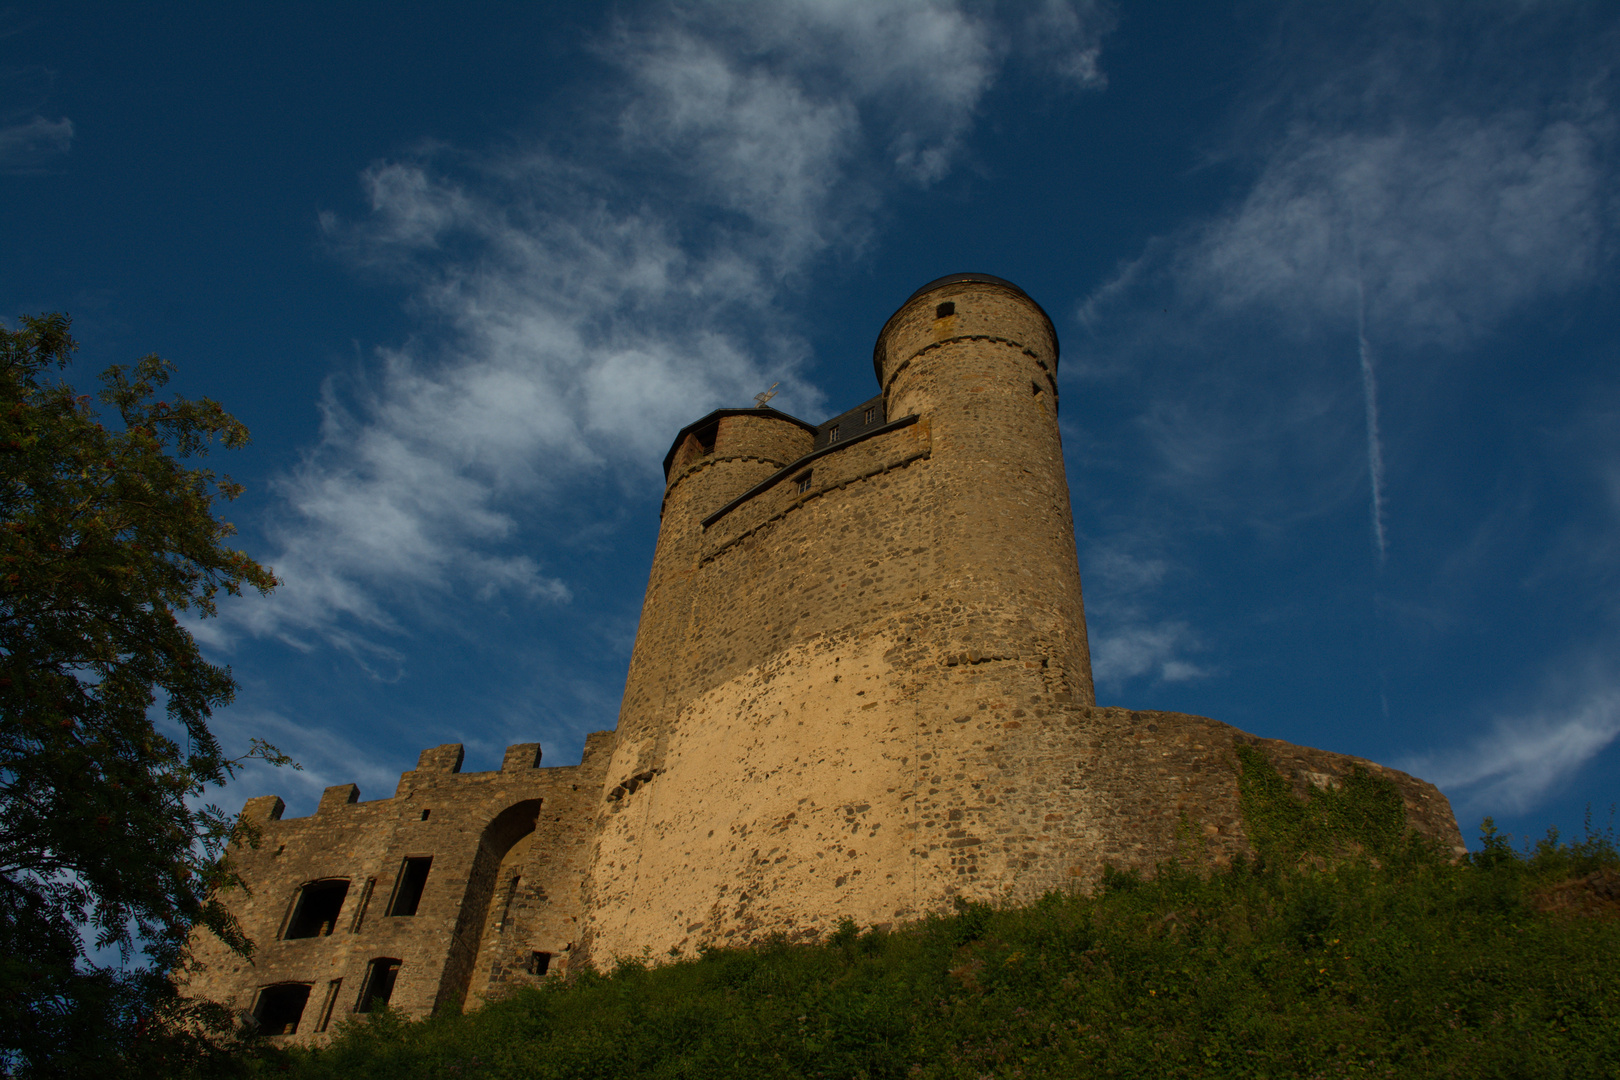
(1347, 947)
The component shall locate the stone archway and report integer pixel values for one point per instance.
(502, 850)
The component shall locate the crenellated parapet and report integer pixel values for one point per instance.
(439, 894)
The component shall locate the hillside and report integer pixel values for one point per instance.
(1345, 946)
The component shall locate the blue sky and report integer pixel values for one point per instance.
(1336, 291)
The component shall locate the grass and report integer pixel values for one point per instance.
(1348, 947)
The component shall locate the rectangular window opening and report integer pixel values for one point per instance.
(332, 989)
(426, 814)
(279, 1008)
(539, 963)
(408, 889)
(832, 434)
(946, 309)
(870, 412)
(381, 974)
(803, 481)
(316, 912)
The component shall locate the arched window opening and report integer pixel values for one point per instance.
(498, 901)
(381, 975)
(315, 913)
(280, 1007)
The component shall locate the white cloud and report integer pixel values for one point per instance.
(33, 144)
(1431, 230)
(1067, 39)
(579, 310)
(1113, 571)
(1134, 651)
(1522, 758)
(325, 758)
(1444, 227)
(1127, 642)
(1399, 204)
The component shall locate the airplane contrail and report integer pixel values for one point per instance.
(1369, 391)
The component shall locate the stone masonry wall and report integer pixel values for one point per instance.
(449, 944)
(877, 695)
(793, 689)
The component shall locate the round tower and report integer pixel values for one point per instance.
(977, 359)
(851, 633)
(711, 462)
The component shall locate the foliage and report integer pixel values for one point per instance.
(1407, 965)
(1362, 813)
(105, 537)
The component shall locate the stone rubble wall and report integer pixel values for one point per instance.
(448, 944)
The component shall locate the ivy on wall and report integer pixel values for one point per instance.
(1361, 814)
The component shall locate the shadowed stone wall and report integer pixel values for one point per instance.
(468, 824)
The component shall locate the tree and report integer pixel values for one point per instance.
(105, 537)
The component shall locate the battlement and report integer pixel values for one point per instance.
(436, 895)
(520, 763)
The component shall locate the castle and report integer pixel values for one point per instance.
(860, 688)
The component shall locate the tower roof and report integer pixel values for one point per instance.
(951, 279)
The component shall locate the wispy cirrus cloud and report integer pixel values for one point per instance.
(1521, 758)
(578, 307)
(1398, 200)
(31, 145)
(1434, 231)
(30, 142)
(1396, 235)
(1128, 640)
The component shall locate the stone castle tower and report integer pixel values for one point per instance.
(860, 687)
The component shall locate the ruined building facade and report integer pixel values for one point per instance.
(860, 687)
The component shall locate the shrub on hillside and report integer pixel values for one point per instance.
(1379, 958)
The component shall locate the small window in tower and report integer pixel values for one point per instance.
(316, 911)
(832, 433)
(381, 974)
(539, 963)
(803, 481)
(946, 309)
(426, 813)
(408, 889)
(279, 1008)
(871, 411)
(706, 436)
